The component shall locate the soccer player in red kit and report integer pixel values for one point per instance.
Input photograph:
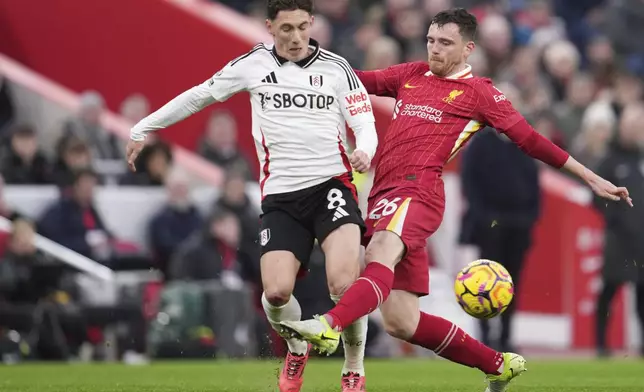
(439, 106)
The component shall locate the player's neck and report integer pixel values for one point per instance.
(456, 70)
(308, 52)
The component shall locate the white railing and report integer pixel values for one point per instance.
(66, 255)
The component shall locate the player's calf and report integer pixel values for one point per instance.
(279, 271)
(400, 314)
(446, 339)
(342, 251)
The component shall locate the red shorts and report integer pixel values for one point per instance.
(414, 215)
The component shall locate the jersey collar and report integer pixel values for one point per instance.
(464, 74)
(305, 62)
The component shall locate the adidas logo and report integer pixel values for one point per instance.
(339, 213)
(270, 78)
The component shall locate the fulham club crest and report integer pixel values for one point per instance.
(316, 81)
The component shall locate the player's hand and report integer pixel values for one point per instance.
(132, 151)
(360, 161)
(608, 190)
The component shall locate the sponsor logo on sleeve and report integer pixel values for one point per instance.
(358, 103)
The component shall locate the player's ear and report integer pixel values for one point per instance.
(312, 20)
(269, 27)
(469, 48)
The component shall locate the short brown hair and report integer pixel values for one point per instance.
(275, 6)
(466, 22)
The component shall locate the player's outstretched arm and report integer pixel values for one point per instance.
(181, 107)
(494, 109)
(602, 187)
(219, 88)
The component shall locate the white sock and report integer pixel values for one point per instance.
(354, 339)
(290, 311)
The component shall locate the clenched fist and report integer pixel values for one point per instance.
(360, 161)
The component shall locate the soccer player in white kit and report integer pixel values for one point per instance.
(301, 96)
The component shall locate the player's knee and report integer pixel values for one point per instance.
(386, 248)
(277, 295)
(399, 326)
(342, 272)
(339, 284)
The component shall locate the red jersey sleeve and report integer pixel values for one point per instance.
(386, 82)
(495, 110)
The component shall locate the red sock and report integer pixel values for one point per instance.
(363, 297)
(451, 342)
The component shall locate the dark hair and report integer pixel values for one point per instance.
(23, 131)
(275, 6)
(466, 22)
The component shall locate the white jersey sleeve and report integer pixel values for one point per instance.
(225, 83)
(358, 112)
(181, 107)
(229, 80)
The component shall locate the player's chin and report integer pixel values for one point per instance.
(436, 66)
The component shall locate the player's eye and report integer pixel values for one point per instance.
(286, 28)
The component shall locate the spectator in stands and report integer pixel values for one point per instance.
(623, 246)
(23, 162)
(562, 61)
(591, 144)
(501, 186)
(321, 31)
(235, 200)
(73, 155)
(74, 222)
(628, 88)
(6, 109)
(495, 37)
(211, 254)
(87, 127)
(382, 53)
(601, 61)
(30, 284)
(219, 144)
(409, 28)
(177, 220)
(153, 166)
(579, 94)
(539, 24)
(523, 71)
(135, 107)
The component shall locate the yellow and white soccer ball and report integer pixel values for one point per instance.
(484, 289)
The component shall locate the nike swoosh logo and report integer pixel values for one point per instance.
(407, 85)
(323, 337)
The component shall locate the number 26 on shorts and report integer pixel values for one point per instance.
(384, 207)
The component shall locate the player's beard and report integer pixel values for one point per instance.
(437, 67)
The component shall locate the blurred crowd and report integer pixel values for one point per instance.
(573, 68)
(569, 66)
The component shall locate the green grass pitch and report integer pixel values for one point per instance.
(321, 375)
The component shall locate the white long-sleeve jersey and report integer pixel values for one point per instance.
(298, 111)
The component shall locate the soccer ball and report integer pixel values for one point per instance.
(484, 289)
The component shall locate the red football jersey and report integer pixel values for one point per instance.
(433, 119)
